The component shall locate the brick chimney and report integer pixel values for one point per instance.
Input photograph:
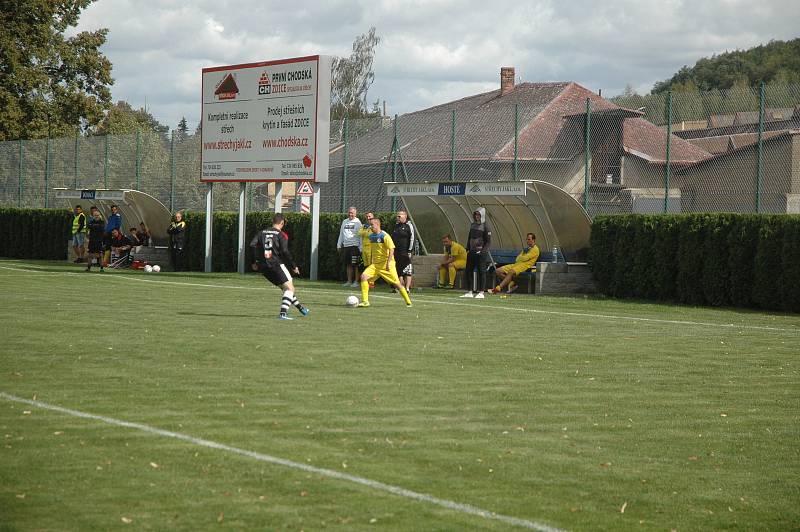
(506, 80)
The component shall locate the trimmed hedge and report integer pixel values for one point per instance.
(718, 259)
(35, 233)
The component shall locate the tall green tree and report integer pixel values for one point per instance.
(776, 61)
(351, 78)
(50, 84)
(123, 118)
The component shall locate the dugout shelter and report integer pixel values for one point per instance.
(134, 206)
(546, 210)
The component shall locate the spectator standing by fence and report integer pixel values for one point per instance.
(177, 233)
(114, 220)
(478, 242)
(404, 239)
(79, 229)
(349, 243)
(96, 238)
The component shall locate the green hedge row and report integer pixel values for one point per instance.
(719, 259)
(35, 233)
(298, 227)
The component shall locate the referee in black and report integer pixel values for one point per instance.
(273, 260)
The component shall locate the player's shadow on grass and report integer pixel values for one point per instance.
(214, 315)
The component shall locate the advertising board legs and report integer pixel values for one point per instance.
(209, 225)
(242, 224)
(314, 270)
(278, 197)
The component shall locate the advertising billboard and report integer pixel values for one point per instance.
(267, 121)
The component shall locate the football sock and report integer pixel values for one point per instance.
(296, 303)
(405, 295)
(288, 295)
(364, 290)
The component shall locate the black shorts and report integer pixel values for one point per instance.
(276, 274)
(402, 262)
(351, 255)
(95, 246)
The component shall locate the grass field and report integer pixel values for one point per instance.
(169, 401)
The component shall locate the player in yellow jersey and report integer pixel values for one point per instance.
(364, 233)
(524, 262)
(381, 263)
(455, 258)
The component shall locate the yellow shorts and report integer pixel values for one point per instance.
(390, 275)
(516, 268)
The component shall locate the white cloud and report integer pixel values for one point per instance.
(432, 51)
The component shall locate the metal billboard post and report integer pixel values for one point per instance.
(207, 266)
(278, 197)
(313, 273)
(242, 223)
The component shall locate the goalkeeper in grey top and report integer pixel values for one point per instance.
(349, 244)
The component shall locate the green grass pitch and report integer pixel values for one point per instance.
(524, 411)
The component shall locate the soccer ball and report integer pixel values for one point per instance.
(156, 268)
(148, 268)
(351, 301)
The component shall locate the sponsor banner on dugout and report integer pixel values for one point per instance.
(494, 188)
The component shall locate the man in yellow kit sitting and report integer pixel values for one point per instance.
(455, 258)
(524, 262)
(381, 264)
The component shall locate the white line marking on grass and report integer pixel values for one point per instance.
(374, 484)
(458, 304)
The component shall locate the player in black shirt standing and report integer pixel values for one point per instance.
(403, 237)
(271, 252)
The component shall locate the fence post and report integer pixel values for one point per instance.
(138, 160)
(760, 148)
(105, 166)
(395, 149)
(667, 169)
(77, 139)
(172, 173)
(453, 145)
(46, 171)
(19, 168)
(343, 202)
(587, 125)
(516, 141)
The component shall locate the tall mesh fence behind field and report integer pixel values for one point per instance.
(736, 150)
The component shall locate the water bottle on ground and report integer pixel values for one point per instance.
(555, 253)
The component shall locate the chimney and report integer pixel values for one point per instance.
(506, 80)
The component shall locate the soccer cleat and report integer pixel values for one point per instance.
(512, 288)
(363, 304)
(347, 284)
(409, 305)
(479, 295)
(284, 317)
(304, 311)
(467, 294)
(355, 284)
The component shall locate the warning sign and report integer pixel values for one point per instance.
(305, 189)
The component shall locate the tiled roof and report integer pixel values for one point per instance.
(646, 140)
(551, 127)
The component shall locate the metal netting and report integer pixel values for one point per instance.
(736, 150)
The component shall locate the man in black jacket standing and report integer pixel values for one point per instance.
(478, 241)
(177, 232)
(403, 237)
(273, 259)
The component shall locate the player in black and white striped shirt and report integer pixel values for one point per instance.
(271, 252)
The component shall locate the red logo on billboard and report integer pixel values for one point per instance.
(227, 88)
(307, 161)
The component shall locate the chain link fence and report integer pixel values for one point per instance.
(735, 150)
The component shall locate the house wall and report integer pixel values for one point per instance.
(728, 183)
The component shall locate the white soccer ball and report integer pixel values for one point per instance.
(156, 268)
(351, 301)
(148, 268)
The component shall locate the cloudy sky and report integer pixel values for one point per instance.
(431, 51)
